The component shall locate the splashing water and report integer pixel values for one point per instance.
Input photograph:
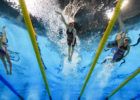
(102, 78)
(72, 8)
(69, 67)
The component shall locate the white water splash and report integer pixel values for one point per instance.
(70, 67)
(102, 78)
(72, 8)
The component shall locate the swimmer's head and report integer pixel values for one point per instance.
(71, 24)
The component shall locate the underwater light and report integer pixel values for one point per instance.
(109, 13)
(124, 4)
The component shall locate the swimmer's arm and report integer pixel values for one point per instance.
(122, 33)
(138, 41)
(63, 19)
(4, 33)
(74, 34)
(121, 25)
(127, 51)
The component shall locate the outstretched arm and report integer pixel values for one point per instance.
(121, 24)
(128, 49)
(138, 41)
(122, 34)
(4, 30)
(4, 34)
(63, 19)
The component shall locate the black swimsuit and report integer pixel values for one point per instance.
(70, 37)
(2, 50)
(119, 53)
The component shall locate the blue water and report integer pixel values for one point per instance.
(66, 79)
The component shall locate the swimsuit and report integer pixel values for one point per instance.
(70, 37)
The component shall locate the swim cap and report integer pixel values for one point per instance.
(128, 38)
